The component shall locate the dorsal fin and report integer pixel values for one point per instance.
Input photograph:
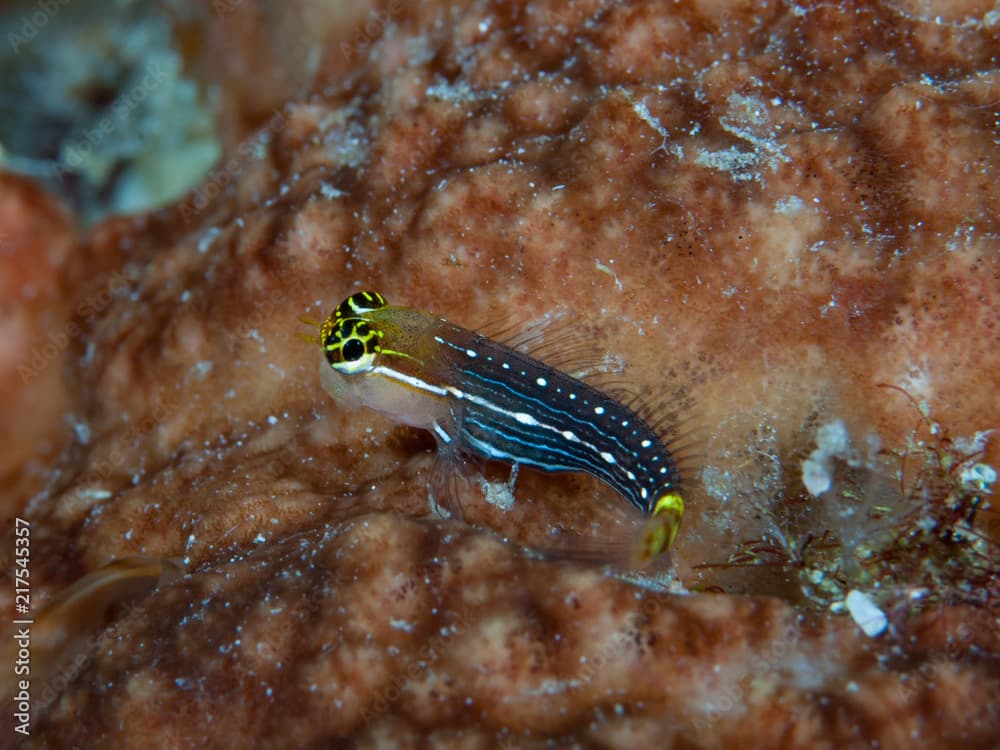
(560, 341)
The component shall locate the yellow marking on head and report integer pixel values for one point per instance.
(358, 303)
(350, 337)
(350, 344)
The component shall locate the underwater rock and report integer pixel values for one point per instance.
(768, 211)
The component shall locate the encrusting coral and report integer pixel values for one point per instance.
(775, 208)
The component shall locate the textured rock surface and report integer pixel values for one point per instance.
(777, 207)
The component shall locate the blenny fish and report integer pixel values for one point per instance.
(483, 398)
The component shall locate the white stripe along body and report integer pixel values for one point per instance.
(479, 396)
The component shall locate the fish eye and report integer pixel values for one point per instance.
(353, 350)
(351, 345)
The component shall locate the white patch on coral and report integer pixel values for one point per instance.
(748, 118)
(917, 382)
(790, 204)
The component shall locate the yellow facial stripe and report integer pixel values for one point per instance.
(350, 344)
(359, 303)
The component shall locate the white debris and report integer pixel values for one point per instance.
(979, 477)
(207, 238)
(866, 614)
(817, 470)
(816, 474)
(499, 494)
(790, 204)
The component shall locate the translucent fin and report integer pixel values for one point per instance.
(65, 629)
(617, 535)
(453, 469)
(622, 553)
(560, 341)
(443, 495)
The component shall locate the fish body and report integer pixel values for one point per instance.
(481, 397)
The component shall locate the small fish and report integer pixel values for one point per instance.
(482, 398)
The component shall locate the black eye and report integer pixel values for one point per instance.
(353, 350)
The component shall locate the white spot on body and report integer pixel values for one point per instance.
(541, 381)
(472, 353)
(646, 443)
(607, 457)
(598, 410)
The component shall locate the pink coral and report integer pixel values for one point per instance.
(774, 206)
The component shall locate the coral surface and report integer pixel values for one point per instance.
(773, 210)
